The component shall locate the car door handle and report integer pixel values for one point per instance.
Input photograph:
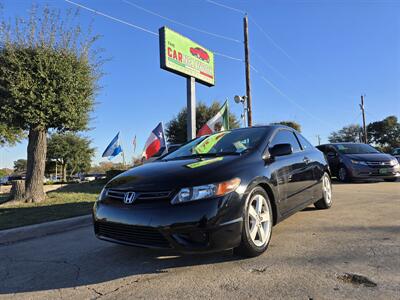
(307, 160)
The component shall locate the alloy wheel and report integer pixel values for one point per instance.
(259, 218)
(327, 189)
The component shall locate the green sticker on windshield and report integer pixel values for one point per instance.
(206, 145)
(204, 162)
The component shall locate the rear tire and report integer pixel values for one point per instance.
(343, 174)
(257, 224)
(326, 201)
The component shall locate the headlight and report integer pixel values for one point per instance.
(206, 191)
(394, 162)
(102, 194)
(358, 162)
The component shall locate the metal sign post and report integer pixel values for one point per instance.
(191, 108)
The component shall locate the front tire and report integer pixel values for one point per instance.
(343, 174)
(326, 201)
(257, 224)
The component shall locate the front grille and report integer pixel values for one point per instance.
(140, 235)
(158, 195)
(378, 164)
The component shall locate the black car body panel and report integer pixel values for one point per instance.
(292, 182)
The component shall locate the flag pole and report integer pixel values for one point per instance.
(165, 138)
(227, 109)
(134, 151)
(122, 153)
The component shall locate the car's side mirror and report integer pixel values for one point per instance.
(280, 150)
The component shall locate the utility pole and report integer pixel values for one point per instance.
(319, 139)
(247, 68)
(363, 116)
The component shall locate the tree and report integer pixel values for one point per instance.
(350, 133)
(176, 128)
(48, 76)
(71, 151)
(20, 166)
(5, 172)
(385, 133)
(291, 124)
(9, 135)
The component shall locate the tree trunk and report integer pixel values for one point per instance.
(64, 173)
(37, 147)
(17, 190)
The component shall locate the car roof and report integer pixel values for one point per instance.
(344, 143)
(272, 126)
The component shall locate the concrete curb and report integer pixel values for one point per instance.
(18, 234)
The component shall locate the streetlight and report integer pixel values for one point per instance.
(243, 100)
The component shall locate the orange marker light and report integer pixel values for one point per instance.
(227, 186)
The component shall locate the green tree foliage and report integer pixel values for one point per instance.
(9, 135)
(291, 124)
(5, 172)
(385, 133)
(48, 77)
(20, 166)
(71, 151)
(176, 128)
(350, 133)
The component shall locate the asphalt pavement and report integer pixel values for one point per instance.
(351, 251)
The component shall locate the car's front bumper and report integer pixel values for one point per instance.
(367, 172)
(201, 226)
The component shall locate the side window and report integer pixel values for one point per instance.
(306, 145)
(285, 137)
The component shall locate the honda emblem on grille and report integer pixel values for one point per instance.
(129, 197)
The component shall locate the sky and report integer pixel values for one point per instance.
(311, 60)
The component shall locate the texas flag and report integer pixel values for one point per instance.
(155, 142)
(219, 122)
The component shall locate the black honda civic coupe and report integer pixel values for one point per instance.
(218, 192)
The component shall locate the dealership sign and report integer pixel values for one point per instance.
(182, 56)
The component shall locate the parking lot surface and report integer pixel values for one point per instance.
(351, 251)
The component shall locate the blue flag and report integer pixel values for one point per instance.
(114, 148)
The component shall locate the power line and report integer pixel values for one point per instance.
(275, 44)
(227, 7)
(112, 18)
(284, 95)
(252, 19)
(137, 27)
(182, 24)
(216, 53)
(265, 62)
(228, 56)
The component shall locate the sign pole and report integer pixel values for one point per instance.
(191, 108)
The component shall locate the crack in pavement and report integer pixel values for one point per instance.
(99, 294)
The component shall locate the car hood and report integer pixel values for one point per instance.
(174, 174)
(380, 157)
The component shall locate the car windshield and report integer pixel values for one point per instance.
(223, 143)
(355, 149)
